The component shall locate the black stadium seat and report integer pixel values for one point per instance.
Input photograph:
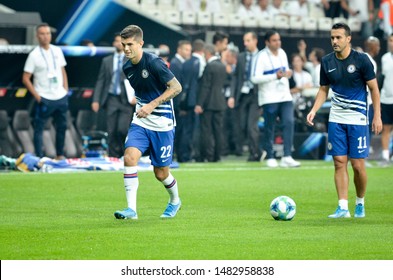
(8, 144)
(24, 133)
(23, 130)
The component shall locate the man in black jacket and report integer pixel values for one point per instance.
(245, 97)
(110, 94)
(211, 105)
(192, 73)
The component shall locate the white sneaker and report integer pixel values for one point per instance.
(271, 162)
(289, 162)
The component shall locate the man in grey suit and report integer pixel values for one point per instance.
(211, 105)
(110, 94)
(245, 98)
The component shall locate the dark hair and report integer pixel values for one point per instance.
(253, 34)
(219, 36)
(198, 45)
(341, 25)
(297, 54)
(319, 53)
(132, 31)
(43, 24)
(269, 34)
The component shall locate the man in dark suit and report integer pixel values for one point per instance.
(211, 105)
(183, 53)
(110, 94)
(245, 98)
(192, 72)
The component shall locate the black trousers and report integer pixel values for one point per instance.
(185, 121)
(248, 113)
(118, 118)
(50, 108)
(211, 135)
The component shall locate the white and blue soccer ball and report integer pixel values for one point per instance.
(283, 208)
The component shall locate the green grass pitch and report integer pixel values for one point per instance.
(225, 216)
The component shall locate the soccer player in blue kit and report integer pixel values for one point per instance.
(347, 72)
(152, 129)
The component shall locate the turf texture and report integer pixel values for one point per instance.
(225, 215)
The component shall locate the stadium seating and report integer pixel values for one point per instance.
(265, 22)
(48, 141)
(93, 140)
(310, 24)
(325, 24)
(24, 134)
(339, 19)
(227, 6)
(220, 19)
(157, 15)
(168, 11)
(23, 130)
(281, 22)
(235, 21)
(355, 24)
(165, 5)
(188, 18)
(73, 142)
(85, 122)
(204, 19)
(315, 10)
(296, 23)
(8, 144)
(250, 22)
(173, 17)
(148, 4)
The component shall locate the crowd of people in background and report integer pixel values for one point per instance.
(374, 15)
(225, 98)
(228, 121)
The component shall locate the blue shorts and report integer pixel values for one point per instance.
(348, 139)
(157, 144)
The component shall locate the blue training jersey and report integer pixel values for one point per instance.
(347, 78)
(149, 79)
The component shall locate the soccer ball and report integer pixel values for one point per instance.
(283, 208)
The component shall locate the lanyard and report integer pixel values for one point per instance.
(46, 61)
(269, 54)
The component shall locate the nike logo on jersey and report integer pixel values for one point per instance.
(164, 160)
(361, 151)
(331, 70)
(129, 76)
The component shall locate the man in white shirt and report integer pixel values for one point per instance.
(45, 64)
(387, 99)
(270, 73)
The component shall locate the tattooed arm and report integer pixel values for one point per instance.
(173, 89)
